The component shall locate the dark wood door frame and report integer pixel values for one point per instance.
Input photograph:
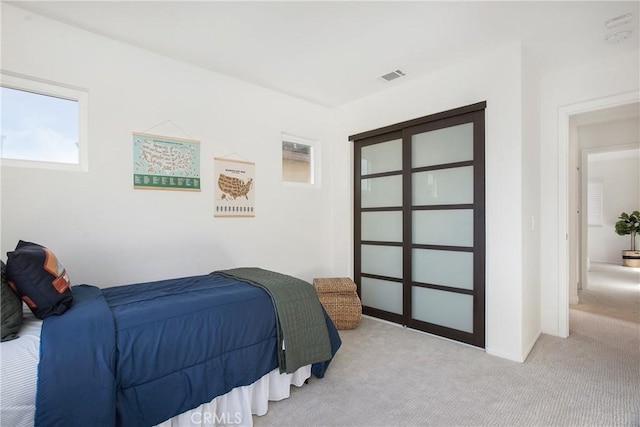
(472, 113)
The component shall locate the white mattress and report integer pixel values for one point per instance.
(19, 367)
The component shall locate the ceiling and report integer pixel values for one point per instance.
(332, 53)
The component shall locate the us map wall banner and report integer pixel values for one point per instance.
(165, 163)
(234, 195)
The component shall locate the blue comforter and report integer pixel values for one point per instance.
(140, 354)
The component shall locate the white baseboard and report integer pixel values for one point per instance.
(503, 355)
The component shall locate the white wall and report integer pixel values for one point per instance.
(614, 75)
(496, 78)
(613, 133)
(621, 193)
(530, 161)
(107, 233)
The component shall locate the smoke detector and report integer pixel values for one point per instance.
(622, 28)
(393, 75)
(617, 37)
(618, 21)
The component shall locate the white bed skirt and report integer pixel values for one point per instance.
(237, 407)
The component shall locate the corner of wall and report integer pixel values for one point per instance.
(528, 346)
(530, 187)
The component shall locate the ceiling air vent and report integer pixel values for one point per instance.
(392, 75)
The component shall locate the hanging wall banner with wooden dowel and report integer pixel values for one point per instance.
(234, 194)
(165, 163)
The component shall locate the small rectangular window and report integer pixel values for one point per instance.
(299, 160)
(43, 124)
(296, 162)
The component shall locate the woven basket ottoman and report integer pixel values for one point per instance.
(339, 298)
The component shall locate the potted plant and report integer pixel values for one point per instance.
(629, 224)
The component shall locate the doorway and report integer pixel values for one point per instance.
(590, 130)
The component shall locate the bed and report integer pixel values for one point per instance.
(202, 350)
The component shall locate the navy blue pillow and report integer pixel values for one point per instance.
(39, 279)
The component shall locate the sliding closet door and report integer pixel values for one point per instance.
(379, 232)
(419, 223)
(444, 228)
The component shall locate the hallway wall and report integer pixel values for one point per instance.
(620, 178)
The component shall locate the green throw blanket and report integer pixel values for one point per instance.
(303, 338)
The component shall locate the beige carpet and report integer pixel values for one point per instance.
(612, 291)
(385, 375)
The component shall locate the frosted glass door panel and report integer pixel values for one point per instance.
(381, 226)
(446, 268)
(453, 227)
(381, 260)
(381, 294)
(383, 157)
(382, 192)
(442, 308)
(443, 186)
(448, 145)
